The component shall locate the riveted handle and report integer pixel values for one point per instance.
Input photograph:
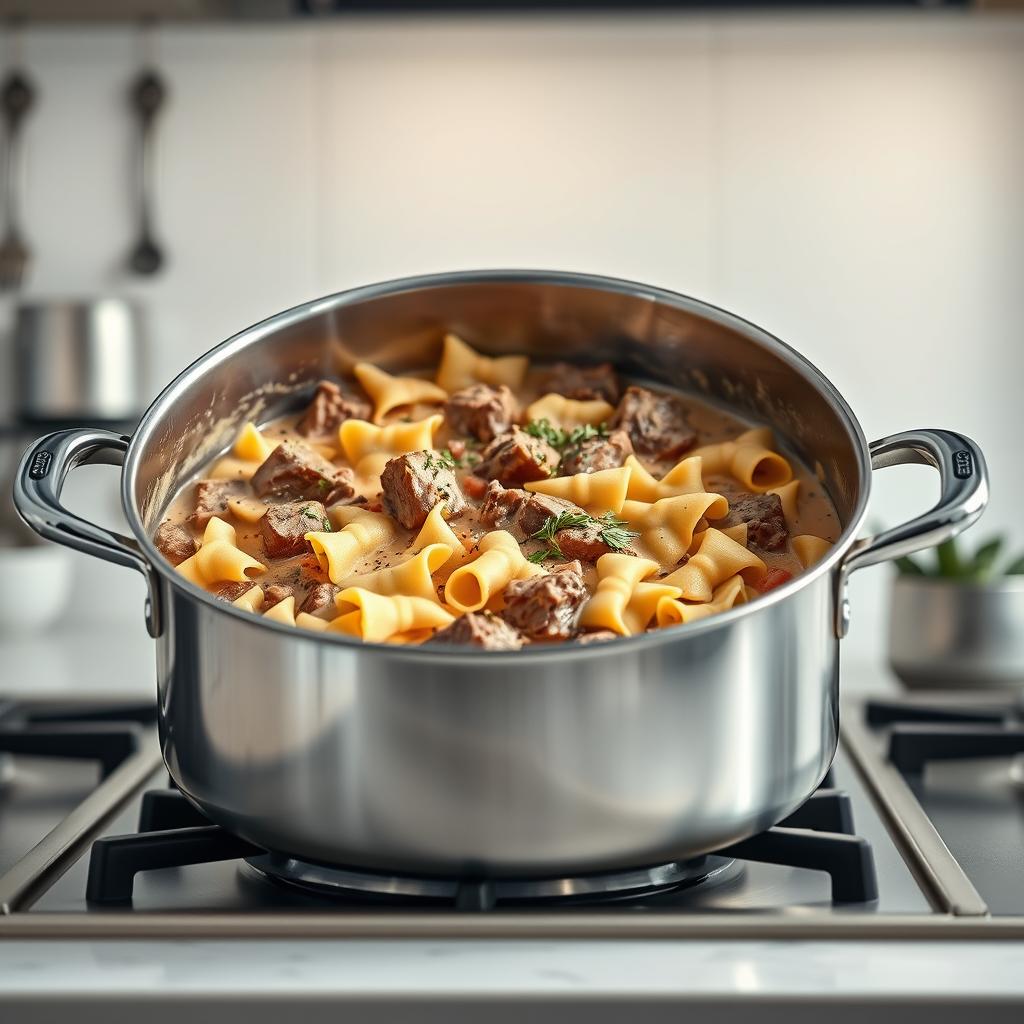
(963, 495)
(37, 486)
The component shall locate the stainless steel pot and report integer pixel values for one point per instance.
(79, 361)
(536, 763)
(947, 633)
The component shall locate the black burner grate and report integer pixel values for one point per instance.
(107, 735)
(817, 836)
(919, 733)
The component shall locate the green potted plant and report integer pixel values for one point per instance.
(958, 621)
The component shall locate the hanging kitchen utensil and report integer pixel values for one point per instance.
(16, 98)
(148, 95)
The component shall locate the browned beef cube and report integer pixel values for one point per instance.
(309, 572)
(284, 527)
(320, 595)
(231, 591)
(517, 458)
(212, 497)
(479, 629)
(519, 512)
(481, 411)
(293, 470)
(414, 483)
(766, 522)
(596, 453)
(583, 382)
(585, 543)
(546, 607)
(175, 542)
(330, 408)
(573, 566)
(275, 594)
(596, 636)
(656, 423)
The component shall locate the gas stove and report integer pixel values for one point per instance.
(918, 831)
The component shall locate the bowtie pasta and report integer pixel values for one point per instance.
(496, 505)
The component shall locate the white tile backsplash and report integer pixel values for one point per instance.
(854, 184)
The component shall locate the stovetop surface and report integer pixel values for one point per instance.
(231, 886)
(36, 794)
(979, 813)
(973, 805)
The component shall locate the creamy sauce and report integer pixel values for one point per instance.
(815, 514)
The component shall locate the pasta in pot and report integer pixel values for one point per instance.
(498, 505)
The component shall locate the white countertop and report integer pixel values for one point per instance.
(598, 979)
(242, 978)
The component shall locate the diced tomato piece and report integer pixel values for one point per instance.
(474, 486)
(773, 578)
(457, 448)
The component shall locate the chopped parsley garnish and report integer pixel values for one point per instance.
(559, 438)
(584, 433)
(310, 513)
(611, 530)
(463, 461)
(546, 432)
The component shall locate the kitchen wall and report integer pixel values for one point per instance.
(854, 184)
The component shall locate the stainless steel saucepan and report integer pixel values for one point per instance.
(536, 763)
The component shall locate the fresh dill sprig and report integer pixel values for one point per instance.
(611, 530)
(614, 531)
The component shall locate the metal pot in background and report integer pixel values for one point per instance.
(79, 360)
(954, 634)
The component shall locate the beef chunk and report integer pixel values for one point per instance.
(330, 408)
(596, 636)
(521, 513)
(766, 522)
(482, 411)
(275, 594)
(583, 382)
(175, 542)
(309, 572)
(656, 423)
(212, 497)
(573, 566)
(517, 458)
(585, 543)
(284, 527)
(295, 471)
(414, 483)
(232, 591)
(320, 595)
(479, 629)
(546, 607)
(596, 453)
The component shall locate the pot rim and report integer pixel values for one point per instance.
(645, 641)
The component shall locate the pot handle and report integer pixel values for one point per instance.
(963, 494)
(37, 486)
